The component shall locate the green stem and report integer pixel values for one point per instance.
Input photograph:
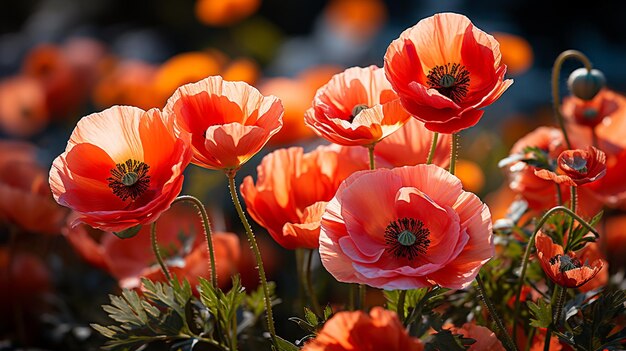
(362, 293)
(561, 294)
(233, 336)
(257, 255)
(351, 296)
(453, 152)
(559, 196)
(309, 284)
(531, 336)
(529, 246)
(433, 147)
(157, 251)
(494, 314)
(556, 72)
(370, 149)
(301, 279)
(208, 235)
(400, 307)
(570, 226)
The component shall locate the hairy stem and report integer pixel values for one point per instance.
(433, 147)
(157, 252)
(454, 152)
(494, 314)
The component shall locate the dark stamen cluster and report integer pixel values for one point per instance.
(451, 80)
(402, 227)
(566, 263)
(129, 179)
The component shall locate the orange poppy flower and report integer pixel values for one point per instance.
(122, 167)
(183, 246)
(224, 12)
(243, 69)
(229, 122)
(591, 113)
(283, 200)
(405, 228)
(486, 340)
(356, 107)
(380, 330)
(567, 270)
(356, 20)
(577, 167)
(614, 240)
(23, 109)
(445, 70)
(25, 197)
(410, 145)
(517, 54)
(128, 83)
(590, 253)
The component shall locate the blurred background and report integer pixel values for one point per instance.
(64, 59)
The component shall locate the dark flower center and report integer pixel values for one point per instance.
(451, 80)
(356, 110)
(129, 179)
(590, 113)
(566, 263)
(407, 237)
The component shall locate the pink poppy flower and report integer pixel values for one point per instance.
(405, 228)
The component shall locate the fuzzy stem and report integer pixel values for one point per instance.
(157, 251)
(556, 73)
(207, 232)
(400, 307)
(454, 152)
(494, 314)
(433, 147)
(257, 255)
(308, 283)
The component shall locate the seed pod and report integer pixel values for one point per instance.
(585, 84)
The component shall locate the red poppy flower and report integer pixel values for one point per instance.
(380, 330)
(284, 200)
(445, 70)
(486, 340)
(122, 167)
(229, 122)
(577, 167)
(591, 113)
(23, 110)
(566, 270)
(356, 107)
(405, 228)
(182, 242)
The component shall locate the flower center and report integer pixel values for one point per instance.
(567, 263)
(590, 113)
(356, 110)
(407, 237)
(451, 80)
(129, 179)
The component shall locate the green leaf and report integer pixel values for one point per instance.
(446, 340)
(310, 316)
(541, 312)
(284, 345)
(128, 233)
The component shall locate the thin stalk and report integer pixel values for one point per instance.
(301, 279)
(494, 314)
(257, 255)
(351, 296)
(233, 336)
(556, 73)
(559, 196)
(400, 307)
(529, 246)
(433, 147)
(362, 293)
(531, 336)
(370, 149)
(454, 152)
(570, 226)
(157, 252)
(208, 235)
(309, 284)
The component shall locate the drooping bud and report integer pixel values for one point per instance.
(586, 84)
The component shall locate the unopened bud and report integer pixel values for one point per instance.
(586, 84)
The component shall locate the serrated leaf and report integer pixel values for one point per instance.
(310, 317)
(446, 340)
(304, 325)
(541, 312)
(284, 345)
(328, 312)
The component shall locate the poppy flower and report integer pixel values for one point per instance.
(590, 253)
(567, 270)
(380, 330)
(182, 244)
(122, 167)
(405, 228)
(23, 109)
(591, 113)
(577, 167)
(25, 197)
(410, 145)
(614, 240)
(128, 83)
(229, 122)
(517, 54)
(292, 190)
(356, 107)
(224, 12)
(486, 340)
(356, 20)
(445, 70)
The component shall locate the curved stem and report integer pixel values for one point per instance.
(453, 152)
(257, 255)
(207, 232)
(309, 284)
(529, 246)
(370, 149)
(556, 72)
(400, 307)
(494, 314)
(157, 251)
(433, 147)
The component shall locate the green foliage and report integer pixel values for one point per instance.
(541, 313)
(128, 233)
(539, 158)
(445, 340)
(255, 301)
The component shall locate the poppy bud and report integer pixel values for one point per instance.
(586, 84)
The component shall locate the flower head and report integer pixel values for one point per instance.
(284, 200)
(564, 269)
(444, 70)
(356, 107)
(486, 340)
(405, 228)
(591, 113)
(229, 122)
(577, 167)
(380, 330)
(122, 167)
